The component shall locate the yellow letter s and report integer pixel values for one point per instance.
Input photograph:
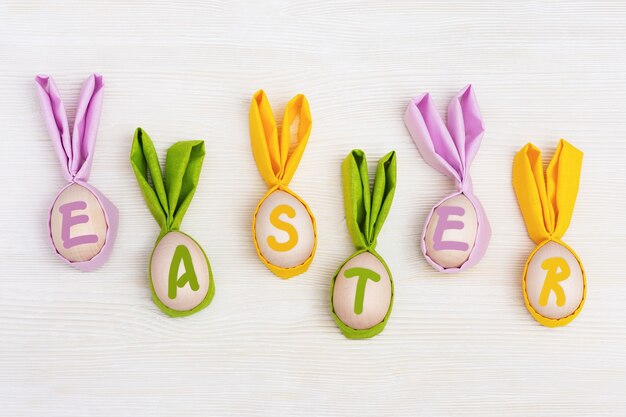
(287, 227)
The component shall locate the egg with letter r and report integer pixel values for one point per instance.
(554, 281)
(362, 292)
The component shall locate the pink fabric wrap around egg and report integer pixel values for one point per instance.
(75, 152)
(450, 150)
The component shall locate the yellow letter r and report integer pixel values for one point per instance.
(558, 270)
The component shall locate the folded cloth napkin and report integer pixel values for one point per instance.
(283, 226)
(174, 293)
(82, 222)
(456, 232)
(553, 283)
(361, 292)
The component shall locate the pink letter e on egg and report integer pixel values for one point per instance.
(69, 221)
(444, 224)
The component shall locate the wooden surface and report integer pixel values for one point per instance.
(82, 344)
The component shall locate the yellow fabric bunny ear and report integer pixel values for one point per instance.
(547, 204)
(554, 282)
(283, 228)
(276, 163)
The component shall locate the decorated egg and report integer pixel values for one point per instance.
(82, 222)
(451, 232)
(283, 230)
(180, 272)
(554, 281)
(362, 292)
(77, 224)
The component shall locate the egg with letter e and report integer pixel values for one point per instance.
(78, 225)
(283, 230)
(362, 292)
(554, 281)
(180, 272)
(451, 232)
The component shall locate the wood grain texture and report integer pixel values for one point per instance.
(76, 344)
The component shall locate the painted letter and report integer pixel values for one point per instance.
(364, 274)
(287, 227)
(443, 224)
(181, 253)
(558, 270)
(68, 221)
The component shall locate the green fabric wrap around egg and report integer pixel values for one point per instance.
(366, 212)
(168, 200)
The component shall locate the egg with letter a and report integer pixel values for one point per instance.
(554, 281)
(362, 292)
(180, 272)
(451, 232)
(283, 230)
(78, 225)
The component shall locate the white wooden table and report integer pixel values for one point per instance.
(82, 344)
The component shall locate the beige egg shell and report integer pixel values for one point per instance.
(572, 286)
(186, 298)
(301, 224)
(453, 257)
(81, 242)
(377, 294)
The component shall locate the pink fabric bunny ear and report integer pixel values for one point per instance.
(75, 151)
(465, 124)
(456, 232)
(449, 149)
(82, 222)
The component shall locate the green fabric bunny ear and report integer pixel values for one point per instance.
(168, 201)
(366, 212)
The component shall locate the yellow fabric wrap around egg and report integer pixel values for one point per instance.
(283, 226)
(554, 282)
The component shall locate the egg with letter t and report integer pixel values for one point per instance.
(361, 294)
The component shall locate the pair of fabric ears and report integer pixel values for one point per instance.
(275, 156)
(366, 211)
(547, 203)
(75, 151)
(449, 149)
(167, 199)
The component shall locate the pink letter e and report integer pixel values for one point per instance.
(443, 224)
(68, 221)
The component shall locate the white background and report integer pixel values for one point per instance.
(80, 344)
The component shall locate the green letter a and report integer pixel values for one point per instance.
(181, 253)
(364, 274)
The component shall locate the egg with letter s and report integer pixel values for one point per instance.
(284, 230)
(180, 272)
(554, 281)
(362, 292)
(78, 226)
(451, 232)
